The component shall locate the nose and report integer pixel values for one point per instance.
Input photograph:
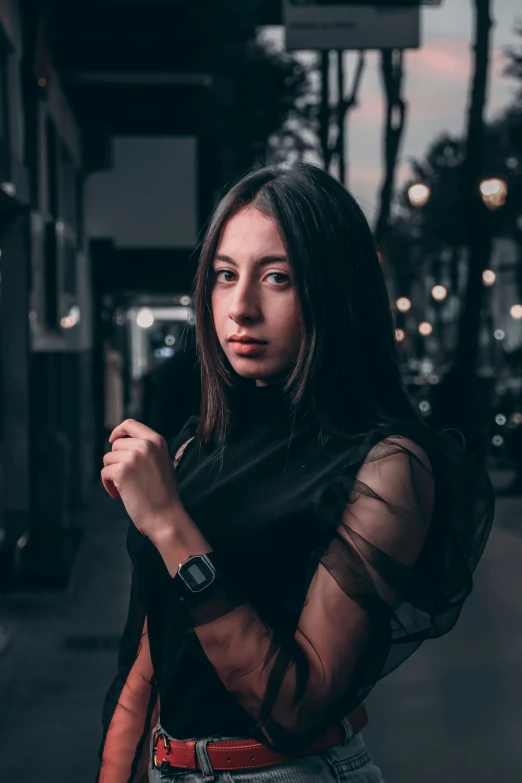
(245, 306)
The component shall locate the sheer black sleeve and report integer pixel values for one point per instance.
(394, 570)
(131, 706)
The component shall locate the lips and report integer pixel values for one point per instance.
(243, 348)
(246, 340)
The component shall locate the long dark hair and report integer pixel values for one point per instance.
(347, 372)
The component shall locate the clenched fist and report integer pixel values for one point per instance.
(140, 471)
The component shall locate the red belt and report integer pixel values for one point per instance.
(245, 753)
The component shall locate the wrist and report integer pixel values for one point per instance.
(177, 539)
(168, 525)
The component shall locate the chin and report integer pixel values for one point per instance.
(250, 369)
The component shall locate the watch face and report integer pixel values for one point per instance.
(197, 573)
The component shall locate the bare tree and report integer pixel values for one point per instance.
(392, 74)
(332, 120)
(463, 399)
(478, 233)
(261, 109)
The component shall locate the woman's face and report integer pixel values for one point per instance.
(253, 297)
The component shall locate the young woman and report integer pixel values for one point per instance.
(315, 532)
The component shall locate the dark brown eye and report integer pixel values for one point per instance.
(282, 278)
(218, 272)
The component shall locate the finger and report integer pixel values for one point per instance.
(116, 457)
(132, 444)
(108, 482)
(135, 429)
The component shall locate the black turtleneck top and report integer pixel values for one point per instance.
(340, 557)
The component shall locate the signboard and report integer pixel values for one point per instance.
(334, 24)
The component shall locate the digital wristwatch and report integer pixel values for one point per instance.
(197, 573)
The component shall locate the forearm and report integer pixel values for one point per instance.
(238, 644)
(129, 725)
(289, 684)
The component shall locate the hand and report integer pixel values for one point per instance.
(140, 471)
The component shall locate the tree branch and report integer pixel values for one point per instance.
(396, 110)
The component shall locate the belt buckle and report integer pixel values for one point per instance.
(166, 744)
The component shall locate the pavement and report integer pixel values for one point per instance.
(62, 657)
(450, 714)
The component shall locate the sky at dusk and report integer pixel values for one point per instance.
(436, 88)
(148, 198)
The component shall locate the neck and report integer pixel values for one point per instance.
(254, 400)
(273, 380)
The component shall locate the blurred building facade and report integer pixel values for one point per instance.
(44, 310)
(73, 77)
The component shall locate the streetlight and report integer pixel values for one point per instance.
(493, 192)
(419, 194)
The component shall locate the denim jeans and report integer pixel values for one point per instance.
(348, 762)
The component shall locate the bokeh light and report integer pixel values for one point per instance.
(439, 293)
(403, 304)
(488, 277)
(70, 320)
(145, 319)
(419, 194)
(493, 192)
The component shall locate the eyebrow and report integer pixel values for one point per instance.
(263, 261)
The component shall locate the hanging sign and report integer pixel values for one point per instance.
(339, 24)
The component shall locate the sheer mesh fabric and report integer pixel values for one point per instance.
(297, 685)
(400, 518)
(131, 707)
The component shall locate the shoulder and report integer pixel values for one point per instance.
(389, 462)
(397, 471)
(399, 449)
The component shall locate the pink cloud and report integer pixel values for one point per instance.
(445, 57)
(364, 170)
(450, 58)
(371, 103)
(437, 81)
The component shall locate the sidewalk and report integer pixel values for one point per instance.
(451, 713)
(62, 658)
